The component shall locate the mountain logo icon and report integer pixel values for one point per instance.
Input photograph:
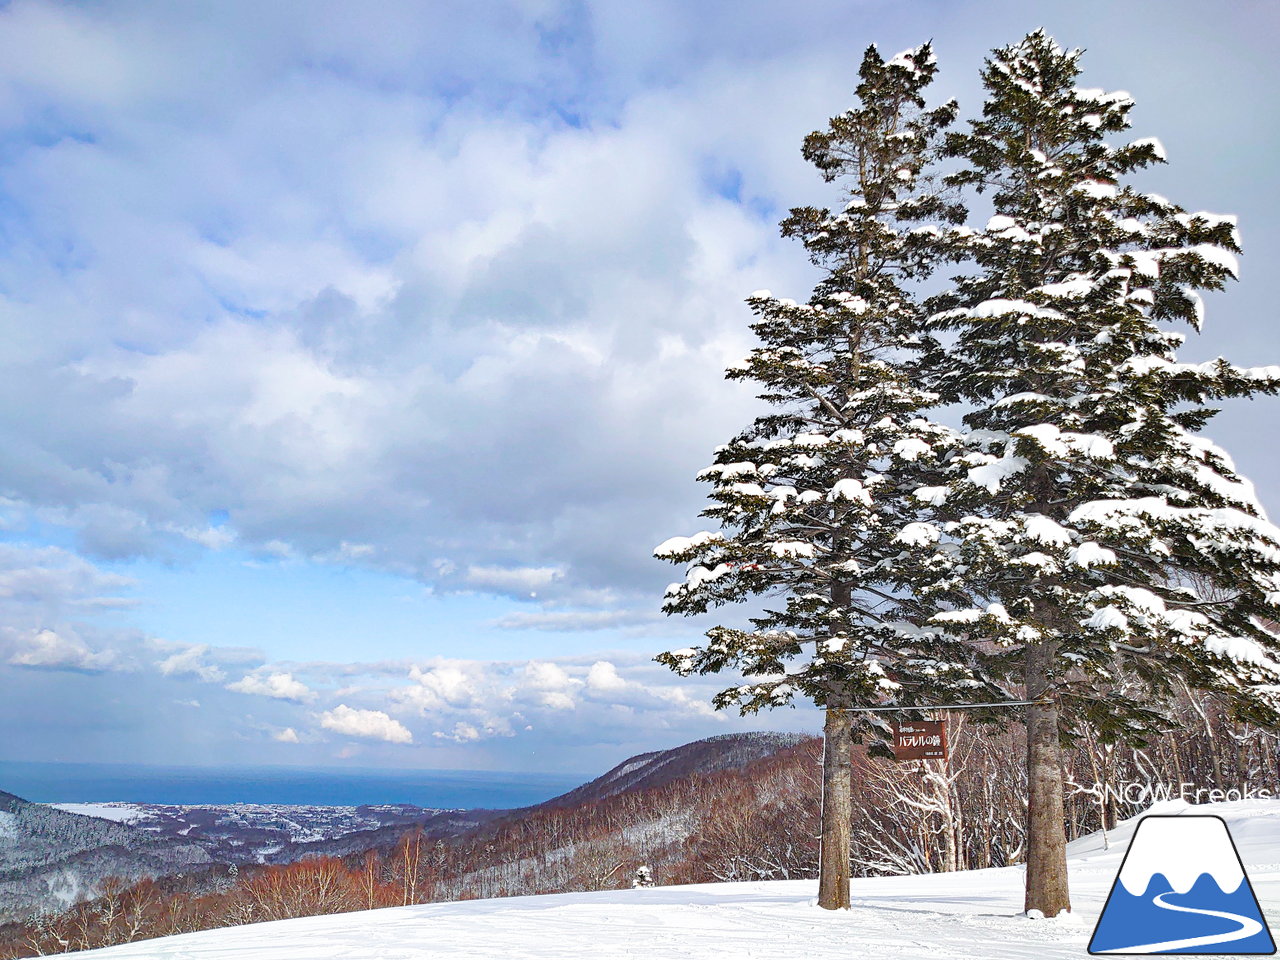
(1182, 889)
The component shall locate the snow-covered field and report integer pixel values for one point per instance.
(975, 914)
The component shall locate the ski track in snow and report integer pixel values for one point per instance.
(1248, 927)
(974, 915)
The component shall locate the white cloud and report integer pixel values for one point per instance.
(603, 678)
(191, 662)
(541, 675)
(555, 700)
(287, 735)
(365, 724)
(52, 651)
(461, 733)
(464, 732)
(444, 684)
(583, 698)
(278, 686)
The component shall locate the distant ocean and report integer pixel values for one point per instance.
(93, 782)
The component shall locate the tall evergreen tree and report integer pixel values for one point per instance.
(815, 499)
(1088, 507)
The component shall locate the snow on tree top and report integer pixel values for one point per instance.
(911, 448)
(1001, 307)
(728, 470)
(1219, 523)
(993, 475)
(849, 301)
(935, 496)
(1119, 98)
(913, 59)
(1239, 649)
(1218, 256)
(918, 534)
(1154, 143)
(810, 440)
(1044, 529)
(850, 489)
(697, 576)
(1107, 618)
(1075, 288)
(1063, 443)
(1090, 554)
(677, 545)
(1096, 189)
(791, 549)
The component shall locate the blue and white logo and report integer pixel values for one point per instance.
(1182, 889)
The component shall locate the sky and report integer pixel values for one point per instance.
(354, 357)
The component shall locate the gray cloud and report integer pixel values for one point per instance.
(559, 620)
(373, 318)
(48, 650)
(191, 662)
(463, 347)
(450, 296)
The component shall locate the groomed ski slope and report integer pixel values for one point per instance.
(975, 914)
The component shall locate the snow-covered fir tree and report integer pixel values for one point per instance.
(1088, 506)
(815, 499)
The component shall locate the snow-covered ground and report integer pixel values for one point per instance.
(117, 812)
(955, 916)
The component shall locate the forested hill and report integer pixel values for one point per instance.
(50, 858)
(730, 751)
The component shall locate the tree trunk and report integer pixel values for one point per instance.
(945, 801)
(837, 810)
(1046, 880)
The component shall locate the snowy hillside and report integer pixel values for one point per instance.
(50, 859)
(728, 751)
(952, 916)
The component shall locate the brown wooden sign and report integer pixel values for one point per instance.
(920, 740)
